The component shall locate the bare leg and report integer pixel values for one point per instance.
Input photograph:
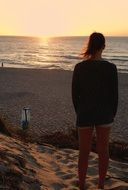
(85, 138)
(103, 152)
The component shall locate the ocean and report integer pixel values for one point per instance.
(57, 52)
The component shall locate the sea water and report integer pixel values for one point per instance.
(57, 52)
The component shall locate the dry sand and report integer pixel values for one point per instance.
(25, 166)
(48, 94)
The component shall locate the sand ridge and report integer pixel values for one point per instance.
(26, 166)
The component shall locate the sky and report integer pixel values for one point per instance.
(63, 17)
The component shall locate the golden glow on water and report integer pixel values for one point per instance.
(63, 17)
(44, 39)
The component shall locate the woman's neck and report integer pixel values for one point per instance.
(97, 56)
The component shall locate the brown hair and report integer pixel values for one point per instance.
(95, 43)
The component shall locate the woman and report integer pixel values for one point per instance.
(95, 99)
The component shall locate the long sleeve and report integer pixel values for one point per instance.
(114, 86)
(75, 88)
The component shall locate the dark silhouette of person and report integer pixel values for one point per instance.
(95, 99)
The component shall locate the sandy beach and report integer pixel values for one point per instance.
(43, 166)
(48, 94)
(25, 166)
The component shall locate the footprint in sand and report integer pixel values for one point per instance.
(68, 160)
(46, 149)
(92, 170)
(31, 159)
(58, 157)
(72, 165)
(65, 161)
(55, 166)
(67, 176)
(58, 186)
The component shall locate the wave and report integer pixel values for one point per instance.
(64, 56)
(116, 59)
(53, 61)
(123, 56)
(71, 57)
(123, 70)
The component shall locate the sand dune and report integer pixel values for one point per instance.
(26, 166)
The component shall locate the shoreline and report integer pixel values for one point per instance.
(48, 93)
(15, 66)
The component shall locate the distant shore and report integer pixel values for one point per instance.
(48, 94)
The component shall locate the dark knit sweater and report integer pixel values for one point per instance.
(95, 92)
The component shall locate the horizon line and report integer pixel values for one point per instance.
(6, 35)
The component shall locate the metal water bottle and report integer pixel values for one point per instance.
(25, 118)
